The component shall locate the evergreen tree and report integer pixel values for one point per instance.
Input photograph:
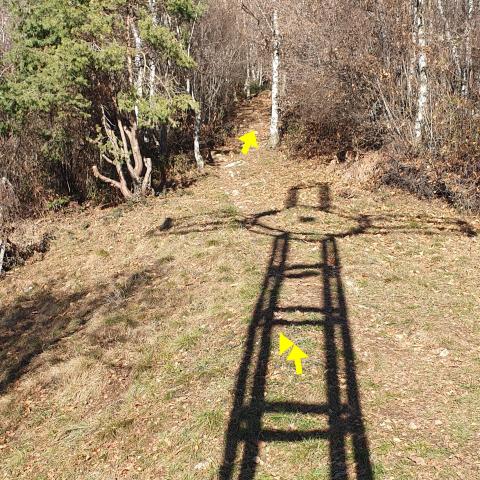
(117, 63)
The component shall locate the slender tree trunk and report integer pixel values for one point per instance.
(152, 78)
(152, 5)
(139, 70)
(138, 60)
(283, 89)
(274, 125)
(422, 98)
(196, 140)
(196, 129)
(198, 113)
(247, 77)
(2, 254)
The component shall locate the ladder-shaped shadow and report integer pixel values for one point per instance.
(343, 412)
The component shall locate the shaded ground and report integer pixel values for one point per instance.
(145, 344)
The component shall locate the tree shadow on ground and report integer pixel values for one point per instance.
(35, 322)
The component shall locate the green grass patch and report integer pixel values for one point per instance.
(211, 421)
(188, 340)
(120, 318)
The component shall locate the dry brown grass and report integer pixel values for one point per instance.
(133, 333)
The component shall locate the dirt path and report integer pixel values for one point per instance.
(144, 345)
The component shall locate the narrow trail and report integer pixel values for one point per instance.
(144, 345)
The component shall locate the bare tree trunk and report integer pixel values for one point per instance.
(138, 60)
(196, 140)
(147, 178)
(283, 89)
(422, 98)
(198, 113)
(151, 81)
(247, 77)
(274, 125)
(152, 5)
(140, 171)
(196, 129)
(2, 254)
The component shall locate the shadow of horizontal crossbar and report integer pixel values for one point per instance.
(304, 274)
(292, 436)
(299, 323)
(304, 309)
(304, 266)
(295, 407)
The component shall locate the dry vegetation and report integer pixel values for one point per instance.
(119, 351)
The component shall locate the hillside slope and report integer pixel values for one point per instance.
(144, 345)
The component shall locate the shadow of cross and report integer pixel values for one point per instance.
(344, 432)
(342, 407)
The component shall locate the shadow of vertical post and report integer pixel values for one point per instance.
(246, 414)
(338, 344)
(323, 197)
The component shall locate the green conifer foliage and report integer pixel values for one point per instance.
(117, 63)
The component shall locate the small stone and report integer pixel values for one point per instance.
(201, 465)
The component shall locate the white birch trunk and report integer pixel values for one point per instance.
(274, 125)
(152, 5)
(138, 60)
(422, 98)
(138, 81)
(2, 254)
(284, 84)
(196, 140)
(196, 130)
(247, 77)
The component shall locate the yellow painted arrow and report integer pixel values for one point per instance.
(285, 344)
(296, 355)
(249, 141)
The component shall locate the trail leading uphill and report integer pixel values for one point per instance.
(144, 345)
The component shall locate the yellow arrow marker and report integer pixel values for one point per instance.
(250, 141)
(296, 355)
(285, 344)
